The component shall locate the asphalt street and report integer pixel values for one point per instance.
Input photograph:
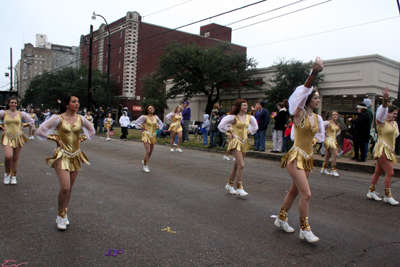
(116, 206)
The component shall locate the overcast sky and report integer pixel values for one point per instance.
(333, 29)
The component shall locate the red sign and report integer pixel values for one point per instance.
(136, 108)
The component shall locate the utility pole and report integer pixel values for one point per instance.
(11, 70)
(90, 67)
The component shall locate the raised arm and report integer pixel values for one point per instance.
(47, 128)
(383, 109)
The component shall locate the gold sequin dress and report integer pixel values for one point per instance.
(240, 139)
(71, 156)
(176, 124)
(13, 135)
(108, 122)
(387, 134)
(149, 135)
(302, 149)
(90, 119)
(330, 139)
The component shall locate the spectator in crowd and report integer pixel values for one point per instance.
(263, 118)
(340, 137)
(205, 127)
(214, 128)
(186, 114)
(361, 131)
(95, 119)
(124, 122)
(101, 117)
(47, 114)
(367, 102)
(289, 142)
(280, 121)
(285, 103)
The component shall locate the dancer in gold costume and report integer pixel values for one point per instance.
(89, 117)
(238, 125)
(176, 127)
(108, 122)
(332, 129)
(149, 123)
(67, 157)
(32, 128)
(308, 130)
(13, 138)
(388, 130)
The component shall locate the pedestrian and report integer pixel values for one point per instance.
(13, 138)
(32, 128)
(95, 119)
(124, 122)
(280, 121)
(361, 132)
(149, 123)
(186, 114)
(108, 122)
(67, 157)
(205, 127)
(102, 116)
(214, 128)
(288, 131)
(175, 127)
(238, 125)
(263, 118)
(308, 130)
(47, 114)
(332, 130)
(388, 131)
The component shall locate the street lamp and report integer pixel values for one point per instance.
(109, 56)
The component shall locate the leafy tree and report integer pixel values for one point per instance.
(154, 94)
(44, 90)
(289, 74)
(209, 71)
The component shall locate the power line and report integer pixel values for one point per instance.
(282, 15)
(166, 8)
(338, 29)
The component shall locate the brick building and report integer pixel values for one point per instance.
(136, 49)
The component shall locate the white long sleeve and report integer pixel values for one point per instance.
(47, 127)
(299, 98)
(381, 114)
(170, 116)
(124, 121)
(253, 127)
(25, 116)
(225, 123)
(88, 128)
(159, 122)
(320, 135)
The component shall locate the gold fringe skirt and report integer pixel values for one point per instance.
(381, 147)
(70, 162)
(175, 127)
(236, 143)
(15, 141)
(330, 143)
(148, 139)
(304, 161)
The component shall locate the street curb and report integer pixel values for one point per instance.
(356, 167)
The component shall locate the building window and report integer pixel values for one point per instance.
(40, 56)
(326, 102)
(120, 34)
(94, 57)
(84, 49)
(119, 78)
(336, 103)
(106, 67)
(119, 64)
(36, 61)
(35, 55)
(120, 48)
(347, 103)
(95, 44)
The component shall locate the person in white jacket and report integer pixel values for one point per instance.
(124, 122)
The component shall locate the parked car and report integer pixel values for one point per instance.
(132, 125)
(193, 125)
